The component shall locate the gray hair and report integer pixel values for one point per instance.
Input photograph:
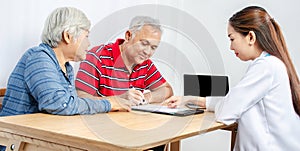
(62, 19)
(138, 22)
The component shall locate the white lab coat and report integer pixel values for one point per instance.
(261, 104)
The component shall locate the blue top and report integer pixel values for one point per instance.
(38, 84)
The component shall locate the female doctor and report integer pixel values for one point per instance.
(266, 102)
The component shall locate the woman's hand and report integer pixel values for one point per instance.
(175, 101)
(120, 104)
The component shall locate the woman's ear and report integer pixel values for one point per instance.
(66, 37)
(251, 37)
(128, 35)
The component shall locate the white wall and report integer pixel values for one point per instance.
(194, 40)
(22, 22)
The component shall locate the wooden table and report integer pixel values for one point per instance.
(112, 131)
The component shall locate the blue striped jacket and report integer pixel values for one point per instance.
(38, 84)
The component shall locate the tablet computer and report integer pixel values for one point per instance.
(154, 108)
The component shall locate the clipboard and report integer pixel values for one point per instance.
(154, 108)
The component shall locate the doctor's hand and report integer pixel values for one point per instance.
(176, 101)
(135, 96)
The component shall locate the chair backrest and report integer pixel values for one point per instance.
(2, 93)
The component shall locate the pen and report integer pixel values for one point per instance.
(148, 92)
(143, 101)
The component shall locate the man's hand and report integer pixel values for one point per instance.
(135, 96)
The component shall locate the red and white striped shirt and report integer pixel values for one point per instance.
(104, 73)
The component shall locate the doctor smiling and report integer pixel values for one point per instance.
(266, 102)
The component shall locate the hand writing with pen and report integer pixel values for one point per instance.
(136, 96)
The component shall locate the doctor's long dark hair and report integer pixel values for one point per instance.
(270, 39)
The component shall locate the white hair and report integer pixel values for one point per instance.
(62, 19)
(138, 22)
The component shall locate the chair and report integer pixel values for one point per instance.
(2, 93)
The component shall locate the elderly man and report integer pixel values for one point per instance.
(123, 68)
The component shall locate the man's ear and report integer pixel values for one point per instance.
(128, 35)
(251, 37)
(66, 37)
